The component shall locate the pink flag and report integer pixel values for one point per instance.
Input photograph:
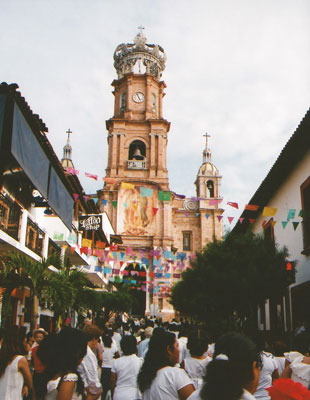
(219, 217)
(214, 202)
(72, 171)
(230, 219)
(91, 176)
(76, 196)
(241, 220)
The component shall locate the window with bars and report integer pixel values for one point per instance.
(305, 203)
(187, 241)
(10, 213)
(34, 237)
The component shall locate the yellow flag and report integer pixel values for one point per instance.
(86, 243)
(127, 185)
(269, 211)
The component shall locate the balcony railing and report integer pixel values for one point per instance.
(34, 237)
(136, 164)
(10, 214)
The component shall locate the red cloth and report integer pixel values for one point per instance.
(38, 366)
(287, 389)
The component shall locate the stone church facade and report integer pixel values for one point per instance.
(162, 229)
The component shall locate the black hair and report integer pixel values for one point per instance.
(106, 340)
(129, 345)
(12, 345)
(62, 353)
(197, 345)
(156, 357)
(226, 378)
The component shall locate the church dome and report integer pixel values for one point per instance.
(151, 56)
(207, 169)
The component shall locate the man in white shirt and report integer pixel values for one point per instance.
(88, 369)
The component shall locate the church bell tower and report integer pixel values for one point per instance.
(137, 145)
(137, 132)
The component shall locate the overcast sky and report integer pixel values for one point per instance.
(239, 70)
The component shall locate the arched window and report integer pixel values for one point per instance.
(210, 189)
(137, 150)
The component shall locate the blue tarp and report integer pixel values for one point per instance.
(60, 200)
(29, 153)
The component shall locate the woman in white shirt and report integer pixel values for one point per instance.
(234, 371)
(125, 371)
(195, 364)
(61, 354)
(109, 353)
(159, 379)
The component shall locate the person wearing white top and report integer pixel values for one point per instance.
(159, 379)
(88, 369)
(15, 376)
(195, 363)
(61, 354)
(268, 373)
(298, 368)
(125, 371)
(234, 371)
(109, 353)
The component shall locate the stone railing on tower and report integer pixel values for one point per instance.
(137, 164)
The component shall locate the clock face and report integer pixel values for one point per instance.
(138, 97)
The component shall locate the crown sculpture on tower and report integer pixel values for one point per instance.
(152, 56)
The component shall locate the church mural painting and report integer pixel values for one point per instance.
(135, 215)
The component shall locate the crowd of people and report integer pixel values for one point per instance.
(147, 359)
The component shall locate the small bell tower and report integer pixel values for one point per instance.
(66, 160)
(208, 181)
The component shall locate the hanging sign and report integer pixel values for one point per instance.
(90, 222)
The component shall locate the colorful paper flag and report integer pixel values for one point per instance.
(269, 211)
(88, 175)
(219, 217)
(164, 196)
(230, 219)
(146, 192)
(75, 196)
(251, 207)
(232, 204)
(295, 225)
(154, 210)
(291, 214)
(284, 223)
(126, 185)
(214, 202)
(114, 203)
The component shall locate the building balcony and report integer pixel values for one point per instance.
(137, 164)
(10, 214)
(34, 237)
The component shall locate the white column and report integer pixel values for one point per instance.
(23, 227)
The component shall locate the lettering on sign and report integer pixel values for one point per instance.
(90, 223)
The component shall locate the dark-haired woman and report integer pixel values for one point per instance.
(234, 372)
(62, 354)
(159, 379)
(125, 371)
(109, 353)
(15, 376)
(195, 364)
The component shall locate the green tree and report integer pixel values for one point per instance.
(20, 270)
(229, 279)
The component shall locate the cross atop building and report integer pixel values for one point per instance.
(207, 136)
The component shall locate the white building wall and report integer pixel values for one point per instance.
(288, 197)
